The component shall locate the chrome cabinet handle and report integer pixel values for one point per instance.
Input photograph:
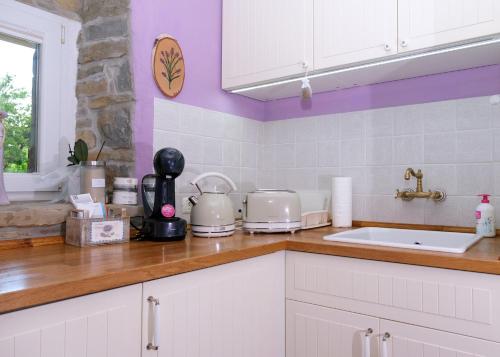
(154, 336)
(366, 342)
(387, 47)
(404, 43)
(385, 338)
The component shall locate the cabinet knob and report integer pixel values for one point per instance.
(387, 47)
(404, 43)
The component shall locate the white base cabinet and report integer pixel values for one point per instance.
(425, 312)
(232, 310)
(106, 324)
(316, 331)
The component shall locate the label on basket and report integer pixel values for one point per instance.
(106, 231)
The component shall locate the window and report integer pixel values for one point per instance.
(38, 64)
(19, 98)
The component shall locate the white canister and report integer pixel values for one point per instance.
(93, 180)
(125, 191)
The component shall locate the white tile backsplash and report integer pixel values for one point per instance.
(453, 142)
(211, 141)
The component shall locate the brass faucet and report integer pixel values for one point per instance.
(409, 194)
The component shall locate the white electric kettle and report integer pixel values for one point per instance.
(212, 214)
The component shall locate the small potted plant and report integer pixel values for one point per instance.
(79, 153)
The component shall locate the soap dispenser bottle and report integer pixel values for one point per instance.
(485, 218)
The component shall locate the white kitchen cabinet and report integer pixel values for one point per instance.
(413, 341)
(353, 31)
(231, 310)
(264, 40)
(428, 23)
(105, 324)
(460, 302)
(316, 331)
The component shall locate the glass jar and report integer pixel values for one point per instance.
(93, 179)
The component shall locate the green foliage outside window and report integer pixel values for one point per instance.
(17, 103)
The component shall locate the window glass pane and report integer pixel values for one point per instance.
(19, 61)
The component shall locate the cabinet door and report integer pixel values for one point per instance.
(353, 31)
(427, 23)
(106, 324)
(315, 331)
(232, 310)
(263, 40)
(413, 341)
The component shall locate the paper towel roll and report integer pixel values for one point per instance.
(342, 202)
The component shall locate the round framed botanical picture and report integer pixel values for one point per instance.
(168, 65)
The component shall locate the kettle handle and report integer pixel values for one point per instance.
(230, 182)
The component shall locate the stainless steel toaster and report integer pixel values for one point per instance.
(272, 211)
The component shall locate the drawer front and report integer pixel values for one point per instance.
(407, 340)
(448, 300)
(316, 331)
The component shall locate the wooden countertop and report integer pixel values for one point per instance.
(39, 275)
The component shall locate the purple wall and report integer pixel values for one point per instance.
(196, 24)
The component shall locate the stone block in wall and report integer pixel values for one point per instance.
(93, 86)
(115, 127)
(83, 123)
(93, 9)
(120, 74)
(87, 70)
(29, 232)
(106, 28)
(103, 50)
(107, 100)
(22, 214)
(88, 136)
(126, 155)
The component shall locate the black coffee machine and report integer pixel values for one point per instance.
(158, 198)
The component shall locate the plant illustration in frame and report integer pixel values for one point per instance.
(170, 60)
(168, 66)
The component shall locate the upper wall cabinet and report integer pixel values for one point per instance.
(351, 43)
(428, 23)
(265, 39)
(353, 31)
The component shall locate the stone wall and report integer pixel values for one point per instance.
(104, 84)
(104, 88)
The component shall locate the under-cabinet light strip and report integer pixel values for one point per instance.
(371, 64)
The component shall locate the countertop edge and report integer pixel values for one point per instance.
(22, 299)
(35, 296)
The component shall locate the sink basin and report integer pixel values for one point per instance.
(404, 238)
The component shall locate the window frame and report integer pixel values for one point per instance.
(57, 96)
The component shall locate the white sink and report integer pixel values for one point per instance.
(404, 238)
